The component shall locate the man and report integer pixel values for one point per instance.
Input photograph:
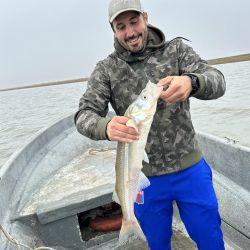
(176, 169)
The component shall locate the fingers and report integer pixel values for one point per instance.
(165, 81)
(118, 131)
(179, 88)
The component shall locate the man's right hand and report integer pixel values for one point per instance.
(117, 130)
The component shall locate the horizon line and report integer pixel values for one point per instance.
(216, 61)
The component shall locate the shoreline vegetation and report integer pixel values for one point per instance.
(222, 60)
(229, 59)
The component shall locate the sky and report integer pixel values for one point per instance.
(51, 40)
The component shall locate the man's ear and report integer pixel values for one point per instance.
(145, 17)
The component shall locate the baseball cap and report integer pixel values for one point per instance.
(116, 7)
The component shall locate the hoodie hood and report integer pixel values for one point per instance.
(155, 40)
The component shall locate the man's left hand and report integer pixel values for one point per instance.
(179, 88)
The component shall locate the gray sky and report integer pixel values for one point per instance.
(48, 40)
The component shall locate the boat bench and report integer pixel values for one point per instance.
(75, 203)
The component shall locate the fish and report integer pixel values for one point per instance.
(129, 156)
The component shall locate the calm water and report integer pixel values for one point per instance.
(24, 112)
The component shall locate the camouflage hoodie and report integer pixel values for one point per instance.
(120, 77)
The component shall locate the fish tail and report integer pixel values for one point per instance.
(130, 228)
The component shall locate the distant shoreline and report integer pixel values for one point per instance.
(230, 59)
(223, 60)
(46, 84)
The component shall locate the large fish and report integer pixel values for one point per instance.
(129, 177)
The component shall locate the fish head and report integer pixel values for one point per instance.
(143, 108)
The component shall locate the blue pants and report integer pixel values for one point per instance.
(193, 192)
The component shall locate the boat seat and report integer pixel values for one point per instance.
(75, 203)
(84, 183)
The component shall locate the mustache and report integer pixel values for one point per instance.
(132, 37)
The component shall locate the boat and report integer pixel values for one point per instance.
(60, 182)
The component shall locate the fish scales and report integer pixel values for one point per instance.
(129, 177)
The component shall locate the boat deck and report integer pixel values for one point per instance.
(179, 242)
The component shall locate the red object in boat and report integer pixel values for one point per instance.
(106, 224)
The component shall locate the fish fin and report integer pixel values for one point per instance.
(143, 182)
(132, 124)
(130, 228)
(115, 197)
(145, 157)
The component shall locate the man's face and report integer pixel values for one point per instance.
(130, 29)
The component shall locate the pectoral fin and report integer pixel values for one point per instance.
(132, 124)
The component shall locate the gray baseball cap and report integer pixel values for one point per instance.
(116, 7)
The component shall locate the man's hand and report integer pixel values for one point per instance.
(118, 131)
(179, 88)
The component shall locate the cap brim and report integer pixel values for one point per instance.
(121, 11)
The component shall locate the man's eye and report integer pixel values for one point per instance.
(120, 27)
(134, 21)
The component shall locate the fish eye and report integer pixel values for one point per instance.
(144, 97)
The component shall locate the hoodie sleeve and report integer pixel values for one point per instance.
(211, 80)
(90, 119)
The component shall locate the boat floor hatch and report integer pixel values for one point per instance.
(60, 224)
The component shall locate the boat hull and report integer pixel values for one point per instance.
(60, 175)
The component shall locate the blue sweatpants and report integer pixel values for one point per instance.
(194, 194)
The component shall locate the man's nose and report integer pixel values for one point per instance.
(130, 31)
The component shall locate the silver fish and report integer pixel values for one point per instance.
(129, 177)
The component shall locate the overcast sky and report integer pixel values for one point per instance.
(47, 40)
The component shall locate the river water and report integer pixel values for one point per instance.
(24, 112)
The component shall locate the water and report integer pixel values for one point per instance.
(24, 112)
(228, 116)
